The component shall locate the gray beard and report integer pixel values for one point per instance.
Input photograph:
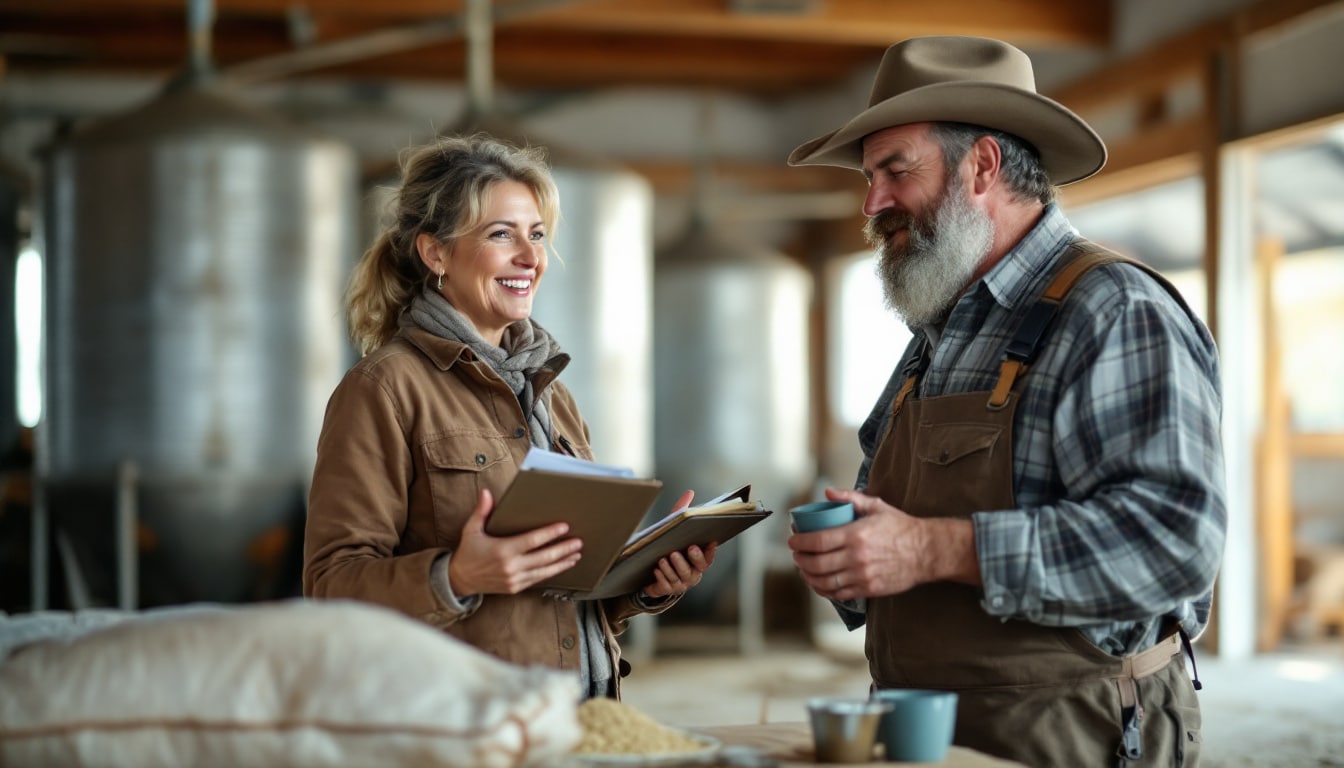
(922, 279)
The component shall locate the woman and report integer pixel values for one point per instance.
(456, 383)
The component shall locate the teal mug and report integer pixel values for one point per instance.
(918, 728)
(821, 514)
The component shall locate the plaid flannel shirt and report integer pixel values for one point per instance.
(1117, 459)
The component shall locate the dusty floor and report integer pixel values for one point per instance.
(1284, 710)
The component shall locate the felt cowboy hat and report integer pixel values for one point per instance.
(967, 80)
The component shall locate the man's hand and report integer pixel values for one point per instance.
(884, 551)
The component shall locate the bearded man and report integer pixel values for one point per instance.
(1040, 513)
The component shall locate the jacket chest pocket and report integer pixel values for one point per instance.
(961, 468)
(459, 467)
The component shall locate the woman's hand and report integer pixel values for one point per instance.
(483, 564)
(680, 571)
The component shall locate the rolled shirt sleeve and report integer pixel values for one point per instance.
(1130, 524)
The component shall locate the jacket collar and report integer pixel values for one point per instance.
(445, 353)
(442, 352)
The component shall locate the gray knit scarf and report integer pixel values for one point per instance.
(525, 348)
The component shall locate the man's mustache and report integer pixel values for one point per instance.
(881, 227)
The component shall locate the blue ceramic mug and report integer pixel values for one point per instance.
(918, 728)
(821, 514)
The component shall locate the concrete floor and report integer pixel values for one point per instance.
(1284, 710)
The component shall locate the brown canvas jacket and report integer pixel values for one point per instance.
(412, 434)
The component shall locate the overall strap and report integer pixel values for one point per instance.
(1082, 257)
(1133, 669)
(912, 370)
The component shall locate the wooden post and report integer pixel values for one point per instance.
(1274, 508)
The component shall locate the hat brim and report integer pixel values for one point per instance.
(1070, 150)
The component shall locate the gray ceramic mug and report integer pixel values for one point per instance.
(844, 730)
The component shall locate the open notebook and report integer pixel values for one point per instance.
(604, 506)
(717, 520)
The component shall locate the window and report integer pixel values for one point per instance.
(866, 342)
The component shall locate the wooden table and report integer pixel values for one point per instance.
(791, 744)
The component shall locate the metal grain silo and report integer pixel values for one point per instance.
(597, 300)
(731, 389)
(597, 297)
(195, 251)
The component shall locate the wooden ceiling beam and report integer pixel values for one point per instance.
(561, 43)
(851, 22)
(525, 60)
(523, 57)
(1177, 148)
(1181, 56)
(674, 177)
(877, 23)
(1163, 153)
(83, 42)
(385, 9)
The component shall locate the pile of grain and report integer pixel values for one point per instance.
(610, 727)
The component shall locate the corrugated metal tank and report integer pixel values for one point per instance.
(597, 300)
(195, 252)
(732, 389)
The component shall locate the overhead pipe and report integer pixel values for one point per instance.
(200, 20)
(200, 65)
(381, 43)
(480, 59)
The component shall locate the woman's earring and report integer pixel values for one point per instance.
(440, 279)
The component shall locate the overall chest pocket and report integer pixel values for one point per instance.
(961, 468)
(459, 467)
(946, 444)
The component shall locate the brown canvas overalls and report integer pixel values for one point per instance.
(1045, 696)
